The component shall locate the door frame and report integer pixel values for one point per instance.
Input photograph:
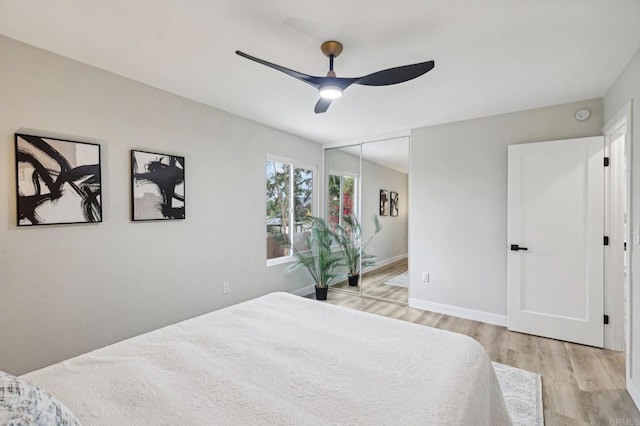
(621, 122)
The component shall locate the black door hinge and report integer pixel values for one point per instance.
(625, 246)
(606, 319)
(606, 161)
(606, 241)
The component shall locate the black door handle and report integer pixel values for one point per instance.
(515, 247)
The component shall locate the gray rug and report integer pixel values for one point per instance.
(522, 391)
(401, 280)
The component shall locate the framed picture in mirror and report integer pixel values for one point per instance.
(393, 203)
(384, 203)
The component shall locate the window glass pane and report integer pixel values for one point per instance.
(303, 207)
(334, 201)
(348, 196)
(278, 188)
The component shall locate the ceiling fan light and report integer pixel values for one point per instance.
(330, 92)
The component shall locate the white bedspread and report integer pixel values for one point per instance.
(282, 360)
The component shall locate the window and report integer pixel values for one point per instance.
(342, 195)
(290, 194)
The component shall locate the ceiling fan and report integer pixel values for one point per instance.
(331, 87)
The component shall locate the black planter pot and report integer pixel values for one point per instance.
(321, 293)
(354, 280)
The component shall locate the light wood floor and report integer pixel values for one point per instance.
(580, 384)
(373, 283)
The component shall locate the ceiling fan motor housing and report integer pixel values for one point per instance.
(331, 47)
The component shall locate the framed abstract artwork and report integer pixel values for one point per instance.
(58, 181)
(157, 186)
(393, 203)
(384, 202)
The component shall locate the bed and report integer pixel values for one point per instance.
(282, 360)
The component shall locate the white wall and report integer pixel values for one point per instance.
(625, 89)
(459, 205)
(68, 289)
(392, 242)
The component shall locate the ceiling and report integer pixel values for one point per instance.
(492, 56)
(391, 153)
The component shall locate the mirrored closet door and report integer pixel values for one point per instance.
(342, 178)
(367, 206)
(385, 192)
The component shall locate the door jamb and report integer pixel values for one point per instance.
(620, 123)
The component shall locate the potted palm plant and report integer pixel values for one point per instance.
(348, 235)
(318, 259)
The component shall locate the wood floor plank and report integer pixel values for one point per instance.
(348, 301)
(559, 419)
(555, 363)
(596, 369)
(605, 407)
(373, 283)
(563, 398)
(418, 316)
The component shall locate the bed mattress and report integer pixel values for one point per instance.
(282, 360)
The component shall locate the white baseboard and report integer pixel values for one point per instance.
(304, 290)
(456, 311)
(386, 262)
(633, 391)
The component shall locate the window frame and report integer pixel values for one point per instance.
(295, 164)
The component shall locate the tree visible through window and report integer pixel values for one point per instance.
(289, 196)
(342, 198)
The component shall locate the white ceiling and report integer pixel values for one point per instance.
(492, 56)
(391, 153)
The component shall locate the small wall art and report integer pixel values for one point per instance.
(157, 186)
(393, 206)
(58, 181)
(384, 203)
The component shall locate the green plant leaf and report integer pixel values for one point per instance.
(348, 235)
(320, 261)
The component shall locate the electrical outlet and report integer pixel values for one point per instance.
(225, 288)
(425, 277)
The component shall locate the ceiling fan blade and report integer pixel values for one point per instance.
(309, 79)
(396, 75)
(322, 105)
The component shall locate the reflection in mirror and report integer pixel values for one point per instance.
(385, 173)
(342, 171)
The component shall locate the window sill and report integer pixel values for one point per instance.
(289, 259)
(280, 261)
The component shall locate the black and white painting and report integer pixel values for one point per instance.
(384, 202)
(393, 206)
(58, 181)
(157, 186)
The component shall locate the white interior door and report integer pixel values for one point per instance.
(555, 236)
